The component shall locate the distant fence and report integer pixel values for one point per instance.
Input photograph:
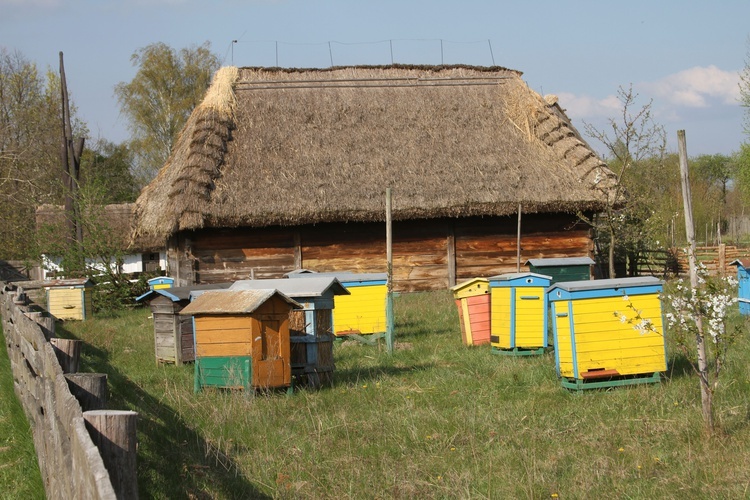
(674, 261)
(64, 434)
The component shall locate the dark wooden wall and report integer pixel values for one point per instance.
(427, 254)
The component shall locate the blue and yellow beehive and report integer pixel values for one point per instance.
(161, 282)
(363, 311)
(473, 302)
(608, 332)
(743, 279)
(518, 313)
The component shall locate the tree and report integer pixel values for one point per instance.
(29, 149)
(160, 98)
(634, 137)
(108, 166)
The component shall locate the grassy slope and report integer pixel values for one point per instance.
(19, 471)
(436, 419)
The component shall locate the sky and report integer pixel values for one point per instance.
(682, 56)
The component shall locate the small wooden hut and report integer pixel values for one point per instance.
(174, 341)
(311, 328)
(69, 298)
(519, 313)
(473, 301)
(608, 332)
(160, 282)
(242, 338)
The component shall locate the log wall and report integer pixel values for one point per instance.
(427, 254)
(70, 463)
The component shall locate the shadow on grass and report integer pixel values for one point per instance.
(358, 375)
(680, 366)
(174, 461)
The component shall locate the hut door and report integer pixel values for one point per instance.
(271, 357)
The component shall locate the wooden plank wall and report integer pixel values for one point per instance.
(421, 249)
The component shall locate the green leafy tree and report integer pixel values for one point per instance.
(161, 96)
(108, 166)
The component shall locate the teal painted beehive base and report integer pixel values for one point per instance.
(579, 384)
(518, 351)
(223, 371)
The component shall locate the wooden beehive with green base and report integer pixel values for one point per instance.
(518, 313)
(608, 332)
(242, 338)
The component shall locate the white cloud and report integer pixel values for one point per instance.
(696, 87)
(588, 107)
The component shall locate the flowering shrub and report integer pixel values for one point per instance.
(709, 304)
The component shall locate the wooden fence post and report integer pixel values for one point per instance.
(68, 353)
(113, 432)
(722, 259)
(45, 322)
(90, 389)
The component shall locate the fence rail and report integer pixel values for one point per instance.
(717, 259)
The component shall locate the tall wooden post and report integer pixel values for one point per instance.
(389, 259)
(114, 433)
(68, 352)
(700, 340)
(518, 242)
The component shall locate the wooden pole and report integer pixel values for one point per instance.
(706, 397)
(113, 432)
(45, 322)
(68, 353)
(389, 341)
(518, 242)
(90, 389)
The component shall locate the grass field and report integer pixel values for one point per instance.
(434, 420)
(19, 472)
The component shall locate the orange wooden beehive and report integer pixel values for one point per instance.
(242, 338)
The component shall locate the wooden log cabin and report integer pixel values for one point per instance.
(281, 169)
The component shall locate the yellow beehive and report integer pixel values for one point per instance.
(69, 298)
(608, 332)
(363, 311)
(519, 313)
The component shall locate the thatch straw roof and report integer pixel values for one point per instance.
(289, 147)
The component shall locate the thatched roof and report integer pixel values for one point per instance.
(289, 147)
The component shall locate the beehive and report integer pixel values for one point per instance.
(743, 278)
(608, 332)
(161, 282)
(174, 341)
(363, 311)
(519, 313)
(473, 302)
(311, 328)
(69, 298)
(242, 338)
(562, 268)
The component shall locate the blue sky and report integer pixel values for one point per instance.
(685, 55)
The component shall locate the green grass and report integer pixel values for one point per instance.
(434, 420)
(19, 471)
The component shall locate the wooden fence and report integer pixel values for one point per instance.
(71, 464)
(717, 259)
